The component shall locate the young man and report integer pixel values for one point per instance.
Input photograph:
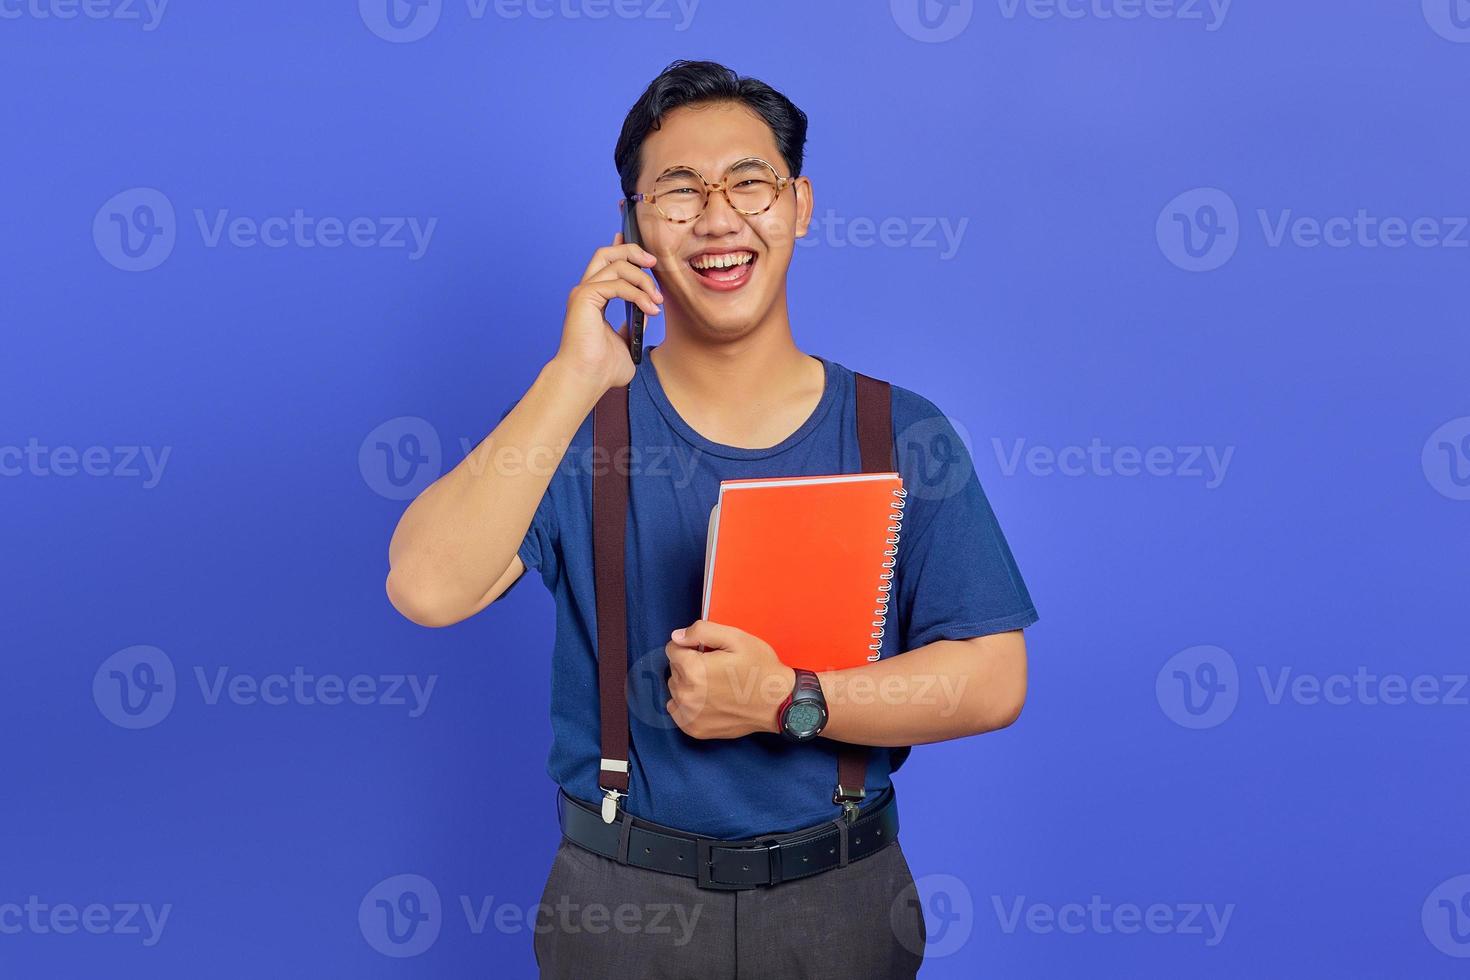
(712, 163)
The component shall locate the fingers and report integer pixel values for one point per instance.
(618, 250)
(601, 291)
(702, 632)
(623, 269)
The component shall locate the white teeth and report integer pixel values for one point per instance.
(724, 261)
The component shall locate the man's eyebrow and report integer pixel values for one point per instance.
(678, 170)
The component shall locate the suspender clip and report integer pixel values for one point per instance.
(848, 799)
(610, 799)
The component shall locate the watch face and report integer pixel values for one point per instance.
(803, 718)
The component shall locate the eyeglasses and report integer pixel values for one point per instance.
(681, 193)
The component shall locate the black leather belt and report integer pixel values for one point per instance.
(730, 865)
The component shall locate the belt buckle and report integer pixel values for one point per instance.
(704, 847)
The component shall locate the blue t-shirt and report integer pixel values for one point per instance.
(955, 578)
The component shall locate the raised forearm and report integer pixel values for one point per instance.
(462, 532)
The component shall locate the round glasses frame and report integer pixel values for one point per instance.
(723, 187)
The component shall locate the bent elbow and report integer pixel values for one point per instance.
(1008, 691)
(417, 605)
(1009, 709)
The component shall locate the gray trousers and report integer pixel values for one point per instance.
(605, 919)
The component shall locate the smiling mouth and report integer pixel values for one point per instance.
(729, 270)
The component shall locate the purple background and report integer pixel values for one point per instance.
(1334, 376)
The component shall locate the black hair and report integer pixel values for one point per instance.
(690, 82)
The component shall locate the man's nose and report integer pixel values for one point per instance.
(719, 217)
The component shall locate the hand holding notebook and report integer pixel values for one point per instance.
(806, 564)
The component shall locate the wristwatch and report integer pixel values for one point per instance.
(803, 714)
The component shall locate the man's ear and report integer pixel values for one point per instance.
(802, 187)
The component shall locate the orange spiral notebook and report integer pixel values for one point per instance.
(806, 564)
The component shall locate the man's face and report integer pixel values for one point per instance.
(732, 301)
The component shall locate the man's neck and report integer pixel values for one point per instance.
(751, 392)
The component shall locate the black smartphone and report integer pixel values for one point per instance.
(634, 313)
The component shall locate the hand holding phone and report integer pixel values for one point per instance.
(590, 345)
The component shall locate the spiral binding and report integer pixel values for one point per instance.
(880, 615)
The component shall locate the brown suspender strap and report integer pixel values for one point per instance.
(610, 478)
(875, 446)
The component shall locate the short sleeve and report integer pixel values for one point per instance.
(955, 576)
(538, 548)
